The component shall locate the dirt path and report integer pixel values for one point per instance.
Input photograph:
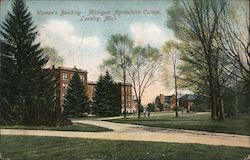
(142, 133)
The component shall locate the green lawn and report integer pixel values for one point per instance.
(73, 127)
(196, 121)
(55, 148)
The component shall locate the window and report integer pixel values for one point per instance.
(65, 85)
(82, 78)
(65, 76)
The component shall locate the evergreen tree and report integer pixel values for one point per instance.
(76, 102)
(27, 89)
(105, 99)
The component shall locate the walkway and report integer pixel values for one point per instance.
(142, 133)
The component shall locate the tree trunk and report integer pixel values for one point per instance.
(175, 86)
(212, 87)
(139, 107)
(125, 93)
(222, 117)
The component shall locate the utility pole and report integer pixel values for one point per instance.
(175, 85)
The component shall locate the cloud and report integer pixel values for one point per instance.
(147, 33)
(59, 33)
(74, 47)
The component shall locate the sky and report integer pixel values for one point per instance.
(79, 30)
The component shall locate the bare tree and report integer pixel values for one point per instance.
(234, 40)
(170, 50)
(144, 62)
(197, 26)
(119, 48)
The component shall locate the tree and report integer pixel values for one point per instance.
(151, 107)
(119, 48)
(143, 63)
(27, 89)
(234, 41)
(76, 102)
(196, 24)
(105, 99)
(54, 58)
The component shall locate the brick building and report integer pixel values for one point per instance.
(168, 102)
(129, 97)
(63, 76)
(120, 92)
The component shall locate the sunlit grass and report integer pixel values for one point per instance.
(55, 148)
(195, 121)
(73, 127)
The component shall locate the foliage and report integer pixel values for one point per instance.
(119, 48)
(151, 107)
(169, 50)
(75, 101)
(105, 98)
(201, 104)
(233, 40)
(136, 65)
(196, 24)
(27, 90)
(143, 63)
(54, 58)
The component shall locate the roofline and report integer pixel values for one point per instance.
(71, 69)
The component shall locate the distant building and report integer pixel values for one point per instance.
(168, 102)
(187, 101)
(63, 76)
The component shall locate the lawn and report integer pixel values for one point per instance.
(73, 127)
(56, 148)
(195, 121)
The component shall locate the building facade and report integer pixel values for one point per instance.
(129, 97)
(64, 75)
(168, 102)
(121, 96)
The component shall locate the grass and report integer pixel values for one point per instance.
(198, 121)
(56, 148)
(73, 127)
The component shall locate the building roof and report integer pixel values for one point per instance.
(188, 97)
(70, 69)
(127, 84)
(92, 82)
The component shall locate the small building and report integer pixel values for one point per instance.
(168, 102)
(187, 101)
